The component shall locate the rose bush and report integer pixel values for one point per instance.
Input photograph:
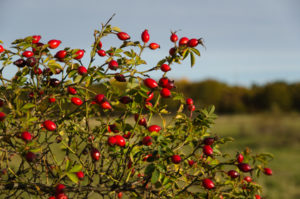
(60, 138)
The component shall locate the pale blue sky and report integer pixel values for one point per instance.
(247, 41)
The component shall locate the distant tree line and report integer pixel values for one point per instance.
(275, 96)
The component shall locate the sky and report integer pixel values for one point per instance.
(249, 41)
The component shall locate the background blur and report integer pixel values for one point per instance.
(250, 70)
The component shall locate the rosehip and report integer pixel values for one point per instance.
(54, 43)
(113, 65)
(120, 140)
(72, 90)
(209, 141)
(112, 140)
(52, 197)
(82, 70)
(208, 183)
(76, 101)
(101, 53)
(193, 42)
(172, 51)
(150, 96)
(147, 141)
(61, 196)
(163, 82)
(31, 61)
(173, 37)
(54, 82)
(155, 128)
(99, 46)
(268, 171)
(95, 154)
(147, 105)
(176, 159)
(49, 125)
(80, 54)
(30, 157)
(191, 107)
(142, 120)
(27, 53)
(123, 36)
(120, 77)
(244, 167)
(145, 36)
(112, 128)
(191, 162)
(26, 136)
(1, 49)
(165, 68)
(189, 101)
(20, 63)
(99, 98)
(183, 41)
(51, 99)
(150, 83)
(257, 197)
(240, 158)
(38, 71)
(165, 93)
(154, 46)
(80, 175)
(105, 105)
(61, 54)
(36, 39)
(233, 174)
(2, 116)
(207, 150)
(127, 135)
(120, 195)
(248, 179)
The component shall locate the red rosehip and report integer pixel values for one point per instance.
(113, 65)
(80, 54)
(120, 195)
(72, 90)
(82, 70)
(183, 41)
(147, 157)
(49, 125)
(142, 120)
(51, 99)
(60, 188)
(80, 175)
(248, 179)
(38, 71)
(150, 96)
(31, 61)
(244, 167)
(54, 82)
(30, 157)
(52, 197)
(257, 197)
(268, 171)
(125, 100)
(191, 107)
(61, 54)
(20, 63)
(127, 135)
(189, 101)
(101, 53)
(147, 105)
(173, 37)
(240, 158)
(154, 46)
(76, 101)
(145, 36)
(105, 105)
(155, 128)
(209, 141)
(163, 82)
(120, 140)
(165, 93)
(233, 174)
(208, 183)
(172, 51)
(100, 98)
(123, 36)
(147, 141)
(54, 43)
(112, 141)
(2, 116)
(26, 136)
(150, 83)
(165, 68)
(95, 154)
(1, 49)
(99, 46)
(191, 162)
(207, 150)
(27, 53)
(61, 196)
(36, 39)
(193, 42)
(176, 159)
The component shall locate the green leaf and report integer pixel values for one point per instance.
(192, 59)
(155, 176)
(185, 54)
(196, 51)
(76, 168)
(28, 106)
(149, 169)
(117, 29)
(73, 177)
(52, 64)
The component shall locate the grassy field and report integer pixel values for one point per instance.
(278, 134)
